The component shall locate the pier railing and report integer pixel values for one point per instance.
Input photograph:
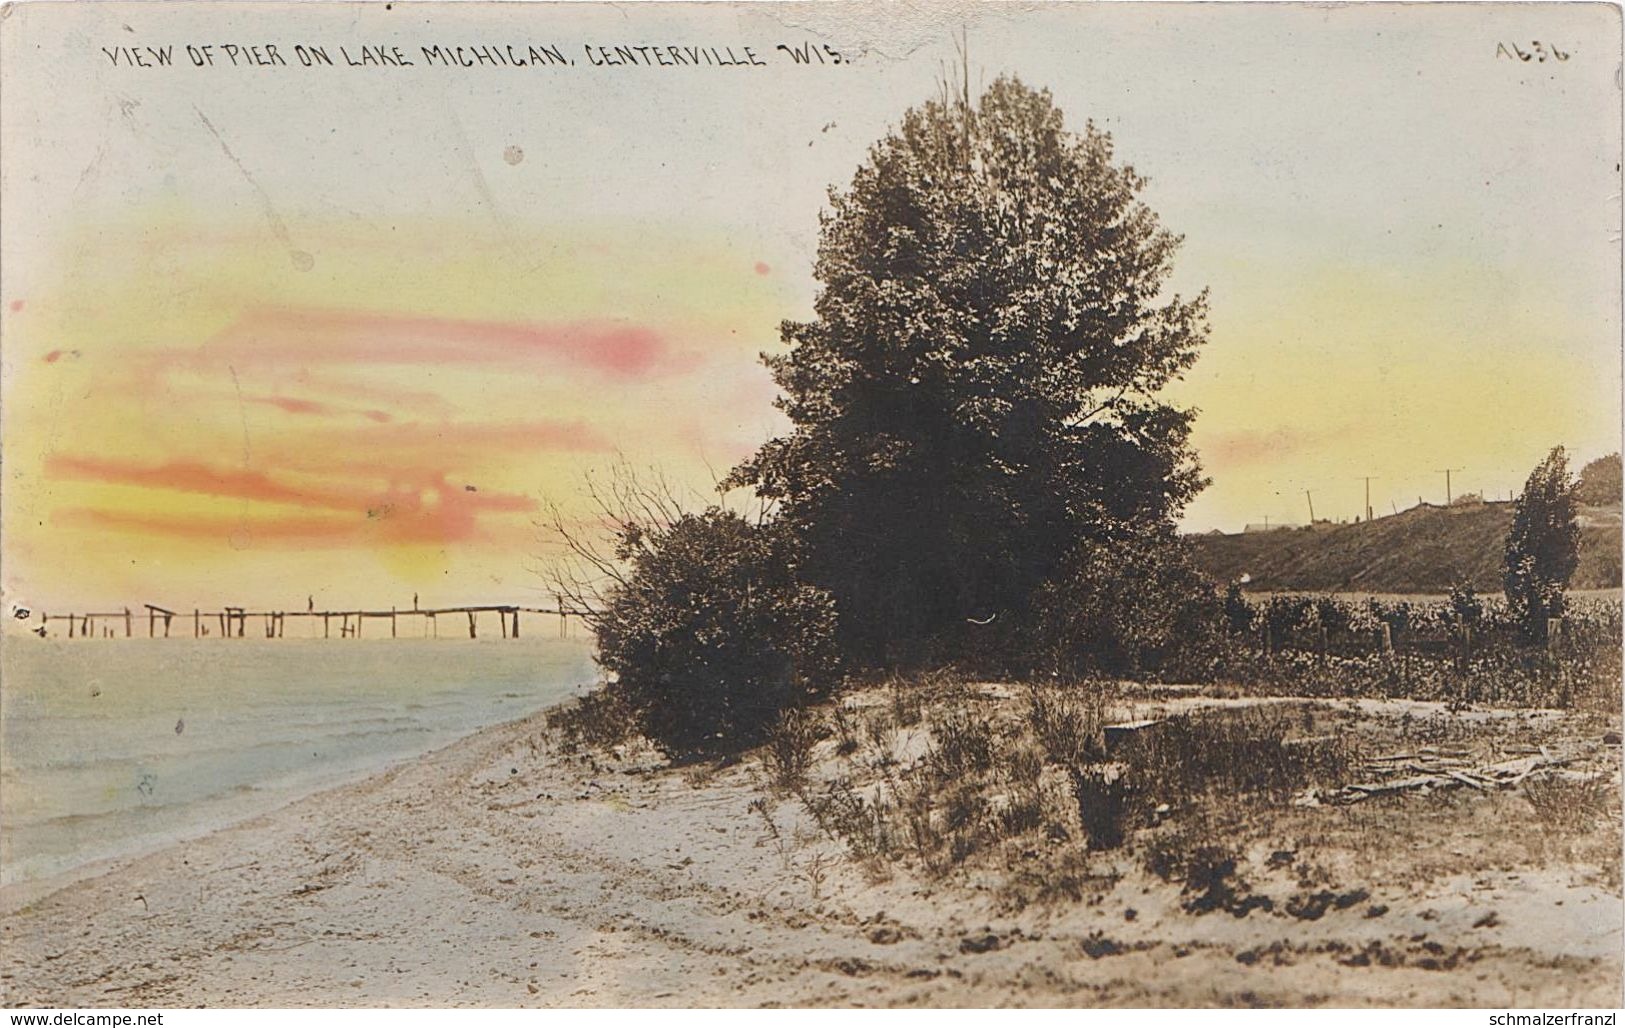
(233, 622)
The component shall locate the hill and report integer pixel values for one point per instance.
(1426, 549)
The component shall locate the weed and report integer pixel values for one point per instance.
(815, 870)
(1244, 752)
(846, 733)
(907, 705)
(1023, 808)
(847, 817)
(1211, 883)
(961, 745)
(877, 743)
(1068, 722)
(1568, 804)
(788, 753)
(781, 845)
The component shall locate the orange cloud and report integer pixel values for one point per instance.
(239, 532)
(416, 506)
(188, 477)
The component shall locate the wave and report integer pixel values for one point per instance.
(235, 748)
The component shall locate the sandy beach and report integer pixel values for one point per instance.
(499, 871)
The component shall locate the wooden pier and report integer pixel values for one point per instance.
(232, 622)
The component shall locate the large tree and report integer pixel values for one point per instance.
(979, 388)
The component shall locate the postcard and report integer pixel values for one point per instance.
(810, 505)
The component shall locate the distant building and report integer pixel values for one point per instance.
(1270, 527)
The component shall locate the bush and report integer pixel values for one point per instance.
(1130, 606)
(710, 636)
(599, 720)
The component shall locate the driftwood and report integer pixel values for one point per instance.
(1438, 771)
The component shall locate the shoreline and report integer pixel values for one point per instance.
(497, 871)
(15, 896)
(93, 773)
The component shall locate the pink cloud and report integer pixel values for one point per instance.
(294, 406)
(299, 405)
(310, 338)
(1241, 448)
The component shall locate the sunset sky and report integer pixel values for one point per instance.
(344, 332)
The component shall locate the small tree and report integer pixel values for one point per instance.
(1543, 545)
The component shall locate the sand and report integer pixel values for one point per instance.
(500, 872)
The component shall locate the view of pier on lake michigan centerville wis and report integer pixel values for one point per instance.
(762, 505)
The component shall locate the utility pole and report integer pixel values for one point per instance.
(1367, 479)
(1447, 496)
(1311, 498)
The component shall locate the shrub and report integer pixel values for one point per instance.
(600, 719)
(1238, 613)
(1465, 607)
(1106, 805)
(1568, 804)
(710, 636)
(1129, 606)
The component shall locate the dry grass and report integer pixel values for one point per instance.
(788, 755)
(1068, 722)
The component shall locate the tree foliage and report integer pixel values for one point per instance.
(1599, 483)
(979, 387)
(1543, 545)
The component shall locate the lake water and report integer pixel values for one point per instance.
(113, 747)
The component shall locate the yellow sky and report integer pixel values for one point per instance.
(342, 333)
